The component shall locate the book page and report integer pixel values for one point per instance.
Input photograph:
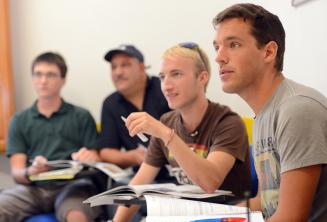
(165, 206)
(165, 189)
(196, 192)
(185, 191)
(61, 163)
(106, 200)
(155, 188)
(129, 190)
(113, 170)
(61, 174)
(67, 163)
(254, 217)
(121, 190)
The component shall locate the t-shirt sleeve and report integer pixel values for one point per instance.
(16, 142)
(301, 133)
(155, 155)
(109, 134)
(230, 136)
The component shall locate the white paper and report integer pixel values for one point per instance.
(165, 209)
(165, 206)
(254, 216)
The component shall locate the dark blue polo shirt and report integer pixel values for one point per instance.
(114, 133)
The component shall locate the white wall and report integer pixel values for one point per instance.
(83, 30)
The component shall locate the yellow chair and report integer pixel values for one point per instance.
(98, 126)
(248, 125)
(248, 122)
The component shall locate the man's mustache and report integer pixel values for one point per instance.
(119, 78)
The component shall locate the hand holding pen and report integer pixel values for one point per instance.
(142, 137)
(138, 123)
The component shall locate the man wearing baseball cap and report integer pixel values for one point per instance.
(136, 91)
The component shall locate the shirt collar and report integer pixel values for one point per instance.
(63, 109)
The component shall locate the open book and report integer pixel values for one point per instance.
(129, 192)
(166, 209)
(67, 169)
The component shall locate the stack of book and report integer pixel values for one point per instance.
(176, 203)
(128, 193)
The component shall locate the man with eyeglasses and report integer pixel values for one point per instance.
(204, 142)
(51, 129)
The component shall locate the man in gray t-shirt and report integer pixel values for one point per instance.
(290, 129)
(290, 133)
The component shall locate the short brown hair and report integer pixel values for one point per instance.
(52, 58)
(266, 26)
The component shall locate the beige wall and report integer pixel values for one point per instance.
(83, 30)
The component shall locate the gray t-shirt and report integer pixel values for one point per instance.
(289, 133)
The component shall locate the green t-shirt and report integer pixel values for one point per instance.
(65, 132)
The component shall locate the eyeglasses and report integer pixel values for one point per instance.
(193, 46)
(48, 75)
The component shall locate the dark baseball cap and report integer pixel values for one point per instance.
(125, 49)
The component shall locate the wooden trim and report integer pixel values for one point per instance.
(6, 79)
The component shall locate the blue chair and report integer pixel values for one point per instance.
(50, 217)
(254, 177)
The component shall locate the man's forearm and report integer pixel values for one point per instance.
(124, 214)
(208, 173)
(21, 176)
(120, 158)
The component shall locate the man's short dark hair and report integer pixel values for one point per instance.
(266, 26)
(52, 58)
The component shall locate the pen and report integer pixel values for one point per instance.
(140, 135)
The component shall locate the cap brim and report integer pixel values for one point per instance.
(112, 53)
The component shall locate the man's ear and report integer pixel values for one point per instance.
(142, 66)
(64, 80)
(270, 51)
(204, 77)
